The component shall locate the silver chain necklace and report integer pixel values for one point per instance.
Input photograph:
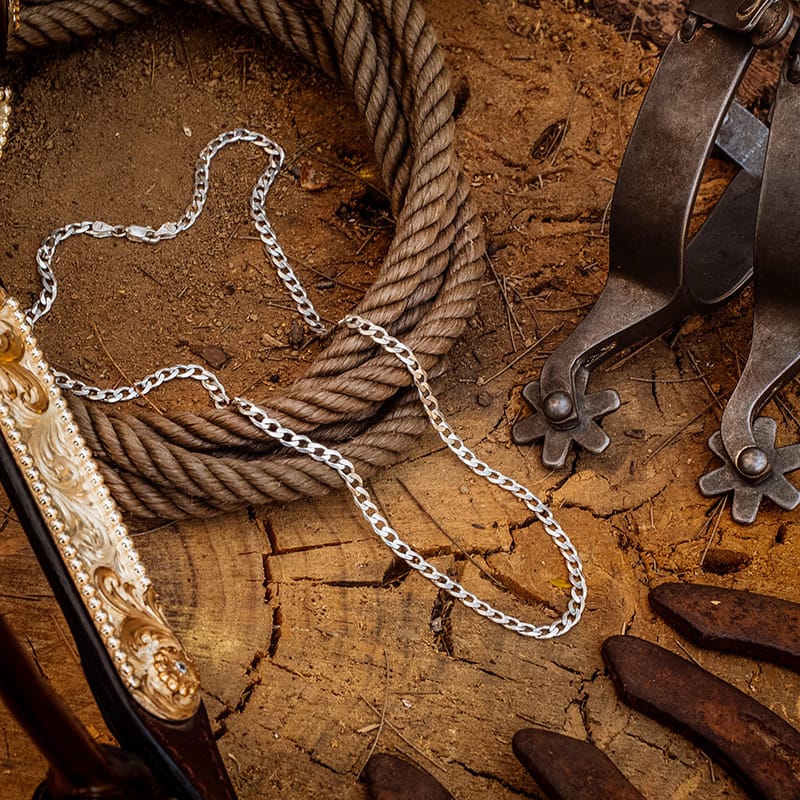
(287, 437)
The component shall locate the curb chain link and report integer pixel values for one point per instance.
(287, 437)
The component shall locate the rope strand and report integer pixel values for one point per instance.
(387, 55)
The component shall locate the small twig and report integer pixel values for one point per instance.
(67, 642)
(703, 377)
(560, 309)
(628, 356)
(186, 54)
(509, 311)
(120, 370)
(149, 275)
(351, 172)
(566, 122)
(667, 380)
(366, 241)
(232, 235)
(35, 656)
(682, 647)
(704, 527)
(306, 265)
(736, 357)
(450, 538)
(624, 67)
(403, 737)
(606, 211)
(711, 769)
(714, 529)
(508, 317)
(546, 173)
(678, 432)
(383, 715)
(153, 530)
(785, 409)
(524, 300)
(522, 354)
(284, 307)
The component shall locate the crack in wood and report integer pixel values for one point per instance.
(441, 622)
(275, 636)
(396, 573)
(504, 782)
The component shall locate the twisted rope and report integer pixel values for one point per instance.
(386, 54)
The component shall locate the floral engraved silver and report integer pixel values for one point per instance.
(87, 527)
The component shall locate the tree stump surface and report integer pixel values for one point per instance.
(313, 642)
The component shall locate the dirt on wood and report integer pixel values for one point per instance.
(311, 641)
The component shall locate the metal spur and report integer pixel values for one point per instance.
(753, 467)
(657, 274)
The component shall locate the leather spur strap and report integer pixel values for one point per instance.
(145, 684)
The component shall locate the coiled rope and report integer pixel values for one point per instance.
(353, 396)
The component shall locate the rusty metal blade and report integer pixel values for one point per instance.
(392, 778)
(756, 746)
(570, 769)
(733, 621)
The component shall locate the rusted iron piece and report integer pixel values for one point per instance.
(756, 746)
(392, 778)
(570, 769)
(753, 625)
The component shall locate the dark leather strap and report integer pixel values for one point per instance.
(183, 756)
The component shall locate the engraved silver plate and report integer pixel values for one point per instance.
(87, 527)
